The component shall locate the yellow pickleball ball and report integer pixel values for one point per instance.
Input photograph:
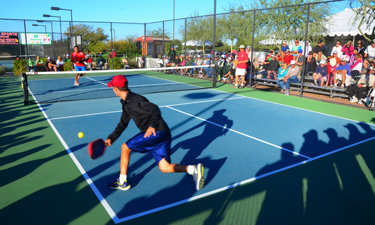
(80, 135)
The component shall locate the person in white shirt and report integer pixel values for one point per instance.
(59, 61)
(338, 48)
(308, 49)
(370, 51)
(248, 51)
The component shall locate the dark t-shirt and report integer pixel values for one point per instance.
(312, 63)
(322, 49)
(273, 65)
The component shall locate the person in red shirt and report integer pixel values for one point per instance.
(113, 53)
(77, 58)
(288, 57)
(242, 60)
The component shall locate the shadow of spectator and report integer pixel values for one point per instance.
(312, 146)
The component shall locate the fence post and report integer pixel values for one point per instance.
(27, 51)
(163, 46)
(113, 58)
(213, 48)
(185, 41)
(304, 52)
(53, 45)
(252, 52)
(144, 47)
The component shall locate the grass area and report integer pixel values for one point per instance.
(41, 185)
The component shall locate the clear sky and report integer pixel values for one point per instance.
(108, 11)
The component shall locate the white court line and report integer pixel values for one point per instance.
(188, 103)
(94, 89)
(257, 139)
(97, 81)
(102, 200)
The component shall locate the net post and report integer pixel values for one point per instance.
(213, 47)
(25, 89)
(252, 52)
(304, 52)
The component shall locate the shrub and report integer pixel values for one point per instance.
(133, 63)
(19, 66)
(68, 66)
(3, 69)
(117, 63)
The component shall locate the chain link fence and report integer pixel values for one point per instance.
(313, 32)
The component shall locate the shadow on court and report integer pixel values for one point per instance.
(336, 189)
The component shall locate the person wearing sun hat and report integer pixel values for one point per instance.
(242, 60)
(292, 76)
(154, 136)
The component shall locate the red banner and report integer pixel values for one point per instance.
(8, 38)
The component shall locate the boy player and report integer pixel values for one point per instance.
(77, 58)
(154, 137)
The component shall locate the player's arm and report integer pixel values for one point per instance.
(122, 125)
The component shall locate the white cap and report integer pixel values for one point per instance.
(248, 47)
(293, 62)
(229, 58)
(49, 57)
(369, 68)
(322, 62)
(67, 54)
(199, 56)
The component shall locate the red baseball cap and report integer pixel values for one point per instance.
(118, 81)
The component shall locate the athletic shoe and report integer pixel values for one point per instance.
(342, 86)
(76, 83)
(199, 176)
(116, 185)
(353, 99)
(361, 101)
(240, 87)
(234, 86)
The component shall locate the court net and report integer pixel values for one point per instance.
(48, 87)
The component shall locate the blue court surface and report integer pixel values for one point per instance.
(238, 139)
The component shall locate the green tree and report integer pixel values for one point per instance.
(198, 29)
(289, 23)
(90, 36)
(158, 33)
(235, 26)
(366, 14)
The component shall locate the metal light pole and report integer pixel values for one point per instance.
(45, 15)
(114, 34)
(71, 23)
(45, 27)
(173, 20)
(53, 45)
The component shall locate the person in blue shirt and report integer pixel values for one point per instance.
(342, 71)
(283, 50)
(283, 70)
(320, 73)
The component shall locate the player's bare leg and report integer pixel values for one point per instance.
(167, 167)
(125, 158)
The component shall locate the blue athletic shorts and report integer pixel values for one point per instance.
(80, 68)
(159, 145)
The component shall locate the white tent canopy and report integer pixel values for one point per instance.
(341, 23)
(196, 43)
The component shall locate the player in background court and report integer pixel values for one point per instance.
(77, 58)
